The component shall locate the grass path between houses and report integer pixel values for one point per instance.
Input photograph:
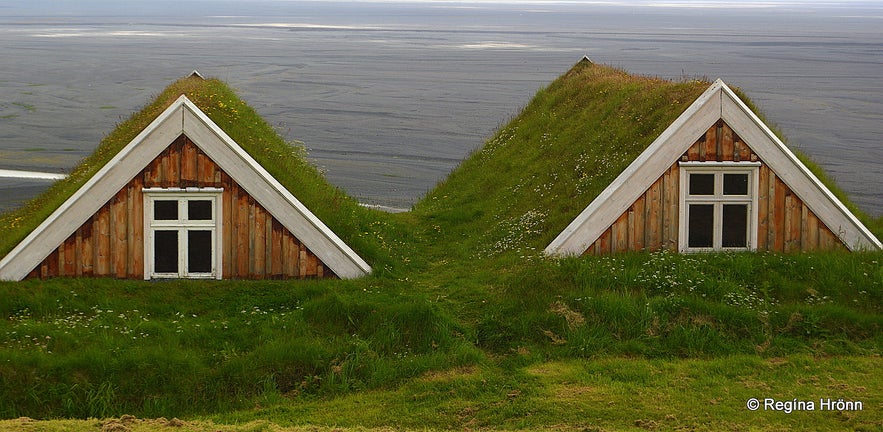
(600, 394)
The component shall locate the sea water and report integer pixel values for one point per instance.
(389, 97)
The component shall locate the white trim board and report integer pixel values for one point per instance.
(717, 102)
(183, 117)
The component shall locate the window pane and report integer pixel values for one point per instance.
(701, 184)
(735, 184)
(199, 210)
(700, 232)
(165, 210)
(165, 251)
(735, 229)
(199, 251)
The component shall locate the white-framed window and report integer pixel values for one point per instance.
(182, 233)
(718, 206)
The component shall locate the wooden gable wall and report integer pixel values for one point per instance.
(785, 223)
(110, 244)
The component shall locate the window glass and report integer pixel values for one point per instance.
(165, 210)
(199, 210)
(735, 184)
(199, 251)
(735, 226)
(700, 233)
(165, 251)
(701, 184)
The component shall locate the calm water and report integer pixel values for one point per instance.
(389, 97)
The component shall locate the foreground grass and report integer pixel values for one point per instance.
(603, 394)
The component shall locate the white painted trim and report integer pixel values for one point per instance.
(717, 102)
(718, 199)
(216, 225)
(182, 117)
(715, 164)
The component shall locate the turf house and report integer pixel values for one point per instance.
(717, 179)
(182, 199)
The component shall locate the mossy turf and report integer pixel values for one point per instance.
(463, 324)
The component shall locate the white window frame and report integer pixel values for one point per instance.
(182, 225)
(718, 200)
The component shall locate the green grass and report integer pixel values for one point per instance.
(463, 324)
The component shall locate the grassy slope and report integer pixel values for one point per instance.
(464, 324)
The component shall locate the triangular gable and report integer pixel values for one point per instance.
(183, 117)
(718, 102)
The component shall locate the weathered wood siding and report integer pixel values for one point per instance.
(111, 244)
(785, 223)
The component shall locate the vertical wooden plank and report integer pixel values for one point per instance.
(637, 230)
(102, 234)
(174, 167)
(792, 222)
(136, 248)
(672, 212)
(293, 256)
(727, 144)
(312, 265)
(669, 212)
(320, 269)
(188, 164)
(777, 228)
(119, 248)
(87, 254)
(827, 239)
(302, 261)
(811, 238)
(151, 174)
(711, 142)
(228, 225)
(130, 230)
(654, 216)
(693, 151)
(277, 250)
(796, 223)
(718, 141)
(285, 259)
(620, 233)
(78, 253)
(52, 264)
(67, 263)
(630, 230)
(268, 245)
(763, 208)
(605, 241)
(703, 148)
(207, 170)
(259, 239)
(804, 227)
(251, 237)
(242, 240)
(162, 168)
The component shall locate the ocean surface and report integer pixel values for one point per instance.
(389, 97)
